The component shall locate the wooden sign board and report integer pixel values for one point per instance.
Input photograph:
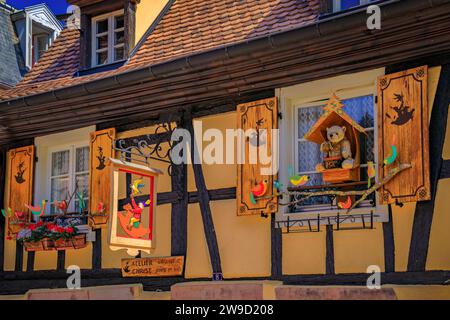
(403, 135)
(133, 224)
(261, 117)
(153, 267)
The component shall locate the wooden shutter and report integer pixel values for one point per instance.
(20, 183)
(262, 114)
(101, 149)
(403, 123)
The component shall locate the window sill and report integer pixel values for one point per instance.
(102, 68)
(360, 218)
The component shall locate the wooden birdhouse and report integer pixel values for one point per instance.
(337, 166)
(133, 190)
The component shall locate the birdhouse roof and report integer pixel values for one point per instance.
(134, 166)
(333, 115)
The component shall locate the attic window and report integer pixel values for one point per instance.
(108, 38)
(341, 5)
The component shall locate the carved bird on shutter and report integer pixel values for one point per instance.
(403, 113)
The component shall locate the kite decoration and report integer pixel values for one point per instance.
(37, 210)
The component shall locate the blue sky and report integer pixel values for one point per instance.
(57, 6)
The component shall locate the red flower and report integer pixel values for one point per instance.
(22, 225)
(69, 230)
(8, 238)
(50, 226)
(32, 227)
(40, 224)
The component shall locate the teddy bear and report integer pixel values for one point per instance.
(337, 146)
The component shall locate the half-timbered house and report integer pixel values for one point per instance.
(115, 89)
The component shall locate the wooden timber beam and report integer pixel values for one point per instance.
(423, 215)
(445, 169)
(276, 240)
(389, 243)
(329, 256)
(204, 200)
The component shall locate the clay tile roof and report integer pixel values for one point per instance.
(190, 26)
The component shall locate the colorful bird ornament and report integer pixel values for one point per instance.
(101, 208)
(295, 179)
(277, 185)
(260, 189)
(392, 156)
(20, 215)
(345, 205)
(370, 173)
(61, 205)
(7, 213)
(37, 210)
(136, 186)
(81, 204)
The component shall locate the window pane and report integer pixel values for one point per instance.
(60, 163)
(102, 57)
(82, 159)
(346, 4)
(102, 42)
(119, 54)
(59, 190)
(118, 22)
(308, 156)
(306, 118)
(360, 109)
(119, 37)
(102, 26)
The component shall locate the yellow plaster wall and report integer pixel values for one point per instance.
(146, 12)
(355, 250)
(304, 253)
(439, 245)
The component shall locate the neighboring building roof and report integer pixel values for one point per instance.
(190, 26)
(11, 63)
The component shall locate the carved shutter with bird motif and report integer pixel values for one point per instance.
(101, 149)
(403, 135)
(20, 185)
(257, 156)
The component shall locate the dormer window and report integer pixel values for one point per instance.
(108, 38)
(341, 5)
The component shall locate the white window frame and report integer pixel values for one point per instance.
(72, 173)
(337, 4)
(110, 33)
(289, 141)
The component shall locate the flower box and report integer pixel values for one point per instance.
(99, 220)
(43, 245)
(76, 242)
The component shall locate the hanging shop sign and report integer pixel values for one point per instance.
(132, 223)
(153, 267)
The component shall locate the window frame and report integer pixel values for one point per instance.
(110, 33)
(72, 147)
(289, 105)
(337, 5)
